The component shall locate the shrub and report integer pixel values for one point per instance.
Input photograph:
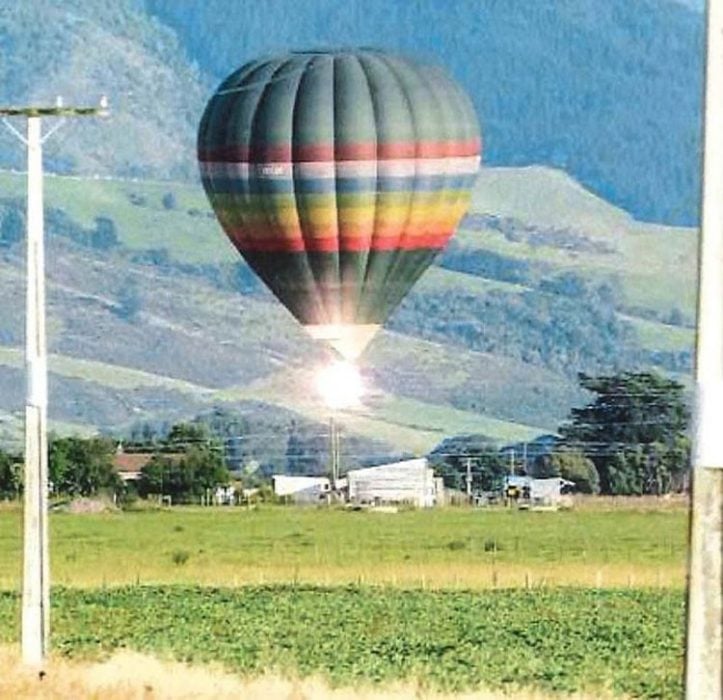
(179, 557)
(105, 234)
(169, 201)
(129, 301)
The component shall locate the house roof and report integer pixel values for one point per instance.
(133, 462)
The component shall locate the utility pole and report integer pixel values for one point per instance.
(469, 479)
(334, 448)
(704, 644)
(35, 623)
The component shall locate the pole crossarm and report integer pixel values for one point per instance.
(53, 129)
(14, 131)
(38, 111)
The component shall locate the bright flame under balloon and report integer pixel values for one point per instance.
(340, 385)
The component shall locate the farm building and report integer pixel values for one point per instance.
(411, 481)
(526, 490)
(302, 489)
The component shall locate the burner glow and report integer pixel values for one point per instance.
(340, 385)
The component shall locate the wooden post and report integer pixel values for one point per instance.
(704, 650)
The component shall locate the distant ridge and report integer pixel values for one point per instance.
(607, 90)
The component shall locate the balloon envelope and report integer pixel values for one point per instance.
(339, 175)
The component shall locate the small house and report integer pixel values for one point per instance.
(129, 464)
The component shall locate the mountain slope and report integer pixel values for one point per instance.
(607, 90)
(81, 49)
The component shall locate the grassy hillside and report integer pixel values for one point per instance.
(168, 323)
(655, 265)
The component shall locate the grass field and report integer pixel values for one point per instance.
(445, 548)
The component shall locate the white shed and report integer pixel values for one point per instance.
(411, 481)
(302, 489)
(537, 492)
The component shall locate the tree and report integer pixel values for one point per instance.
(184, 479)
(105, 234)
(169, 201)
(635, 432)
(129, 301)
(206, 468)
(11, 475)
(81, 467)
(182, 433)
(155, 476)
(12, 228)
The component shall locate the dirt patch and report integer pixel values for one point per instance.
(132, 676)
(90, 505)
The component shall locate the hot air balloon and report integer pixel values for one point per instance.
(339, 175)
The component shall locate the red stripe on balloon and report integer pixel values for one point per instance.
(346, 151)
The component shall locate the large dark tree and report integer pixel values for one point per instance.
(635, 432)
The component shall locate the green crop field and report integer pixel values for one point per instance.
(441, 548)
(559, 640)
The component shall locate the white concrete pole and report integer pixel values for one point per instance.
(334, 452)
(704, 648)
(35, 623)
(36, 579)
(469, 479)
